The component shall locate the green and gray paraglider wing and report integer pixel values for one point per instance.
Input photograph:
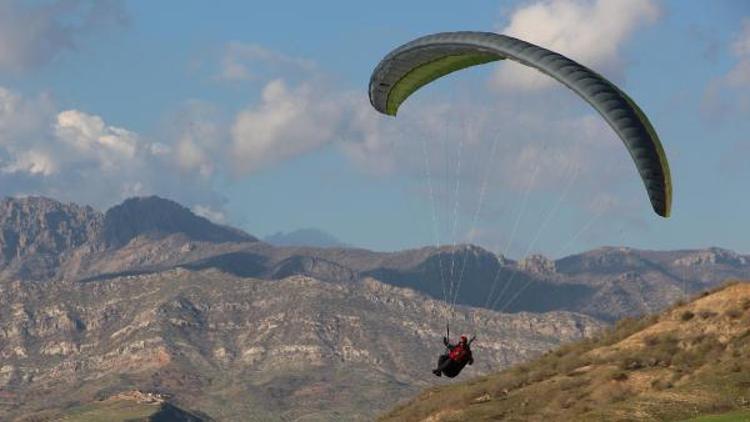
(419, 62)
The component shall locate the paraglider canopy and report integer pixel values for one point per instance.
(423, 60)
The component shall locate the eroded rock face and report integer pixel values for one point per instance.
(711, 256)
(36, 234)
(537, 264)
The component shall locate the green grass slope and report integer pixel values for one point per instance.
(691, 361)
(739, 416)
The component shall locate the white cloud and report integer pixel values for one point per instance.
(242, 62)
(591, 32)
(731, 93)
(206, 211)
(534, 134)
(191, 157)
(739, 75)
(196, 140)
(33, 162)
(288, 122)
(535, 138)
(22, 117)
(32, 35)
(370, 137)
(728, 93)
(90, 161)
(159, 149)
(92, 138)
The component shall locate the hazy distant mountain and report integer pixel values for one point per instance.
(304, 237)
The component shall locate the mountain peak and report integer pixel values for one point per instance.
(156, 216)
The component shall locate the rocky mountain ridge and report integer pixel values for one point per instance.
(42, 239)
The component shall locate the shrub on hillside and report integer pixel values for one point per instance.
(618, 375)
(687, 316)
(706, 314)
(733, 313)
(660, 384)
(703, 349)
(612, 392)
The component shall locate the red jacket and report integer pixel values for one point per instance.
(460, 353)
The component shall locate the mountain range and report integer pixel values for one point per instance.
(42, 239)
(149, 298)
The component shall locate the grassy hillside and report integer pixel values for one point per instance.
(132, 406)
(692, 361)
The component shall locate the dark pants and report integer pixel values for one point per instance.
(449, 367)
(444, 362)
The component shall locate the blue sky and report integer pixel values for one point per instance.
(255, 114)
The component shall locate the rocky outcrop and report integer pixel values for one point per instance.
(537, 264)
(37, 234)
(711, 256)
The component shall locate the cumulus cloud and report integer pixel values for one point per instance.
(32, 35)
(77, 156)
(739, 75)
(33, 162)
(729, 92)
(91, 138)
(295, 118)
(243, 62)
(199, 139)
(510, 142)
(369, 139)
(289, 121)
(490, 144)
(23, 139)
(474, 164)
(21, 116)
(591, 32)
(206, 211)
